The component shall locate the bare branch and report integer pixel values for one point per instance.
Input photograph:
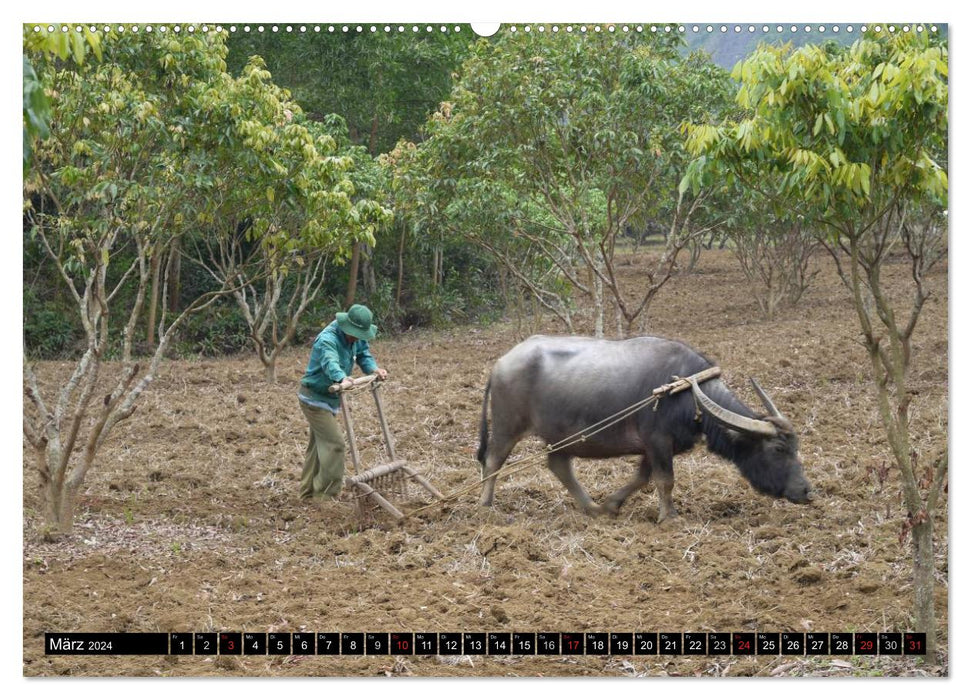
(58, 263)
(515, 268)
(139, 302)
(104, 424)
(560, 258)
(940, 471)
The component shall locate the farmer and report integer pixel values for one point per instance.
(332, 359)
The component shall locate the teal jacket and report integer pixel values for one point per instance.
(332, 359)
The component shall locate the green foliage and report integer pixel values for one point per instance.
(551, 145)
(62, 41)
(466, 293)
(50, 330)
(37, 110)
(274, 171)
(217, 331)
(295, 198)
(47, 42)
(160, 144)
(842, 132)
(383, 85)
(113, 166)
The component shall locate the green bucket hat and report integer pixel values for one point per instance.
(357, 322)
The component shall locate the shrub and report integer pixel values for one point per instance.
(50, 331)
(220, 330)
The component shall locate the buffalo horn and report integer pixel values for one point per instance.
(729, 418)
(766, 401)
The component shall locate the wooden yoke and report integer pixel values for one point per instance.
(682, 383)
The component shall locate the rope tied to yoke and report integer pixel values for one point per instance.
(675, 386)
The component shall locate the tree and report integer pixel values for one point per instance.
(433, 207)
(774, 246)
(775, 255)
(439, 277)
(286, 209)
(384, 85)
(555, 143)
(854, 139)
(131, 166)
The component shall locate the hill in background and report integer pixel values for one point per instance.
(729, 47)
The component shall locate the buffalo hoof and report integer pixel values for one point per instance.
(611, 508)
(668, 514)
(593, 509)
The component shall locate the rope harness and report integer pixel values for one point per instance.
(677, 384)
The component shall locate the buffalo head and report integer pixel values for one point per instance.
(766, 449)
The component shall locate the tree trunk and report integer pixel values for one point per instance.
(175, 277)
(370, 281)
(518, 305)
(401, 268)
(642, 324)
(598, 306)
(153, 303)
(695, 254)
(436, 266)
(59, 501)
(352, 276)
(893, 367)
(269, 369)
(926, 621)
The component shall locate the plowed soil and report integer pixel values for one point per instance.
(190, 521)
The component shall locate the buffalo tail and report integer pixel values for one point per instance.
(484, 426)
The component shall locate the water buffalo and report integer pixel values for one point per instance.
(554, 387)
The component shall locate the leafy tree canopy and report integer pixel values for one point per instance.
(383, 85)
(556, 116)
(847, 132)
(47, 43)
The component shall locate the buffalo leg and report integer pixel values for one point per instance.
(641, 479)
(665, 484)
(661, 455)
(496, 455)
(560, 465)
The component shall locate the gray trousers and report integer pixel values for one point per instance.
(323, 465)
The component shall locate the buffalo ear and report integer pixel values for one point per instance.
(734, 436)
(782, 423)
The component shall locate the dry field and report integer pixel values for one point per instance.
(190, 521)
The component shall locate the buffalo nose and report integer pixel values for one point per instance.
(805, 496)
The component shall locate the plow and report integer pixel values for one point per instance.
(374, 487)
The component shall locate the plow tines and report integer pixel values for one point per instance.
(393, 479)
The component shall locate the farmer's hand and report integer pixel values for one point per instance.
(346, 383)
(382, 373)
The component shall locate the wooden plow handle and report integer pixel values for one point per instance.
(355, 383)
